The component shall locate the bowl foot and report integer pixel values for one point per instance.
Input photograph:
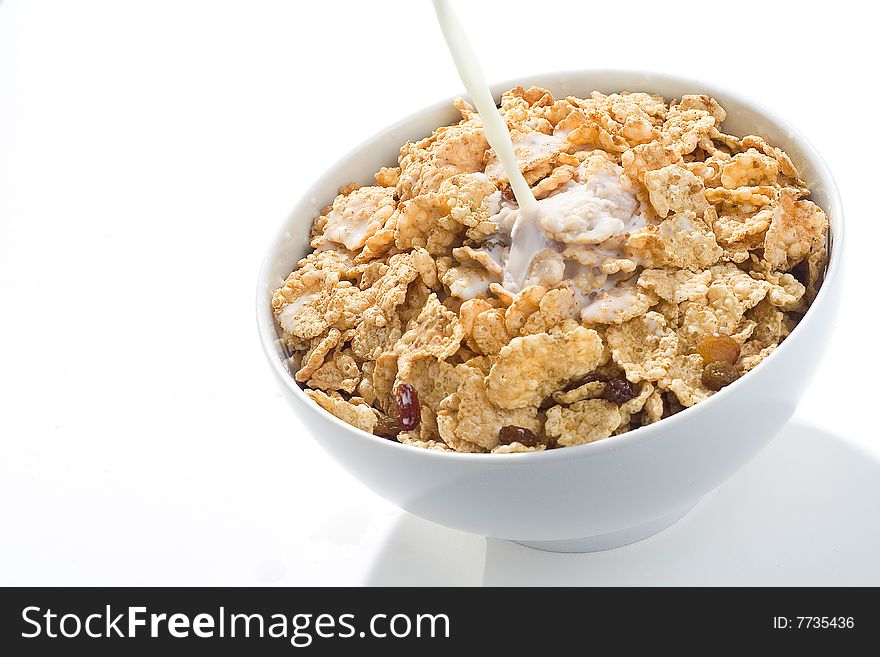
(611, 540)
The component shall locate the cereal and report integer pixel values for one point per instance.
(675, 189)
(797, 229)
(531, 367)
(673, 259)
(583, 422)
(469, 419)
(682, 241)
(358, 415)
(356, 217)
(748, 169)
(436, 332)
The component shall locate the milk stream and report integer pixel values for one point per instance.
(527, 238)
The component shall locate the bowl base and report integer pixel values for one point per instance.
(613, 539)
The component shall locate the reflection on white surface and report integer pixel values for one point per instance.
(421, 553)
(804, 512)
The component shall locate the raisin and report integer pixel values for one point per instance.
(718, 348)
(387, 427)
(619, 391)
(719, 374)
(521, 435)
(589, 378)
(409, 410)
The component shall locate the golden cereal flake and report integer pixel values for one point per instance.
(683, 380)
(743, 229)
(703, 103)
(384, 373)
(589, 390)
(314, 357)
(620, 304)
(449, 151)
(470, 200)
(537, 154)
(470, 420)
(435, 332)
(434, 380)
(424, 222)
(359, 416)
(742, 199)
(426, 268)
(685, 128)
(817, 262)
(641, 159)
(530, 368)
(518, 448)
(674, 285)
(356, 217)
(415, 440)
(556, 307)
(557, 178)
(749, 169)
(468, 255)
(369, 341)
(523, 305)
(681, 241)
(797, 228)
(644, 347)
(488, 333)
(769, 331)
(729, 142)
(615, 122)
(382, 241)
(302, 305)
(638, 402)
(598, 256)
(786, 166)
(416, 298)
(390, 290)
(786, 292)
(583, 422)
(388, 176)
(339, 372)
(653, 408)
(709, 170)
(675, 189)
(468, 281)
(728, 295)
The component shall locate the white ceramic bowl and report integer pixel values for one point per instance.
(602, 494)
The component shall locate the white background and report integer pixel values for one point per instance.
(149, 151)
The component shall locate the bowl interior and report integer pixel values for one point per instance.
(744, 116)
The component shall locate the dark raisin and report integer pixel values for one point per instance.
(590, 378)
(387, 427)
(409, 410)
(521, 435)
(718, 348)
(719, 374)
(619, 390)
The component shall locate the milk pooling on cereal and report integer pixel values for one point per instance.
(526, 239)
(587, 211)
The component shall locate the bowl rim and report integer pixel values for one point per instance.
(268, 334)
